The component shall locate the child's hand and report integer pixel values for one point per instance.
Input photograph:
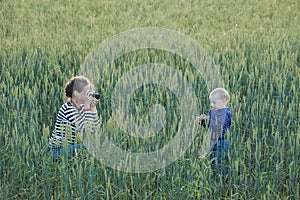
(201, 118)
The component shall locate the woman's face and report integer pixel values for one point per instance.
(83, 96)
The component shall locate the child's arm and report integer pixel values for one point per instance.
(201, 119)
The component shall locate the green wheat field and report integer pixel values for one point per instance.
(255, 46)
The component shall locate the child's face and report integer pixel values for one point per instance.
(217, 103)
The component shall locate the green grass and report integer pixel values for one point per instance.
(255, 45)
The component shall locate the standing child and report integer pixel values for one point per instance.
(219, 119)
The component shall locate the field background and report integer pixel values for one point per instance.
(255, 44)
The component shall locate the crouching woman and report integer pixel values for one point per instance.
(78, 113)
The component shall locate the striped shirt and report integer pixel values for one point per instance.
(69, 122)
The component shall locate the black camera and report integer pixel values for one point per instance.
(94, 95)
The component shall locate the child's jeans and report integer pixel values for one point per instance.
(218, 156)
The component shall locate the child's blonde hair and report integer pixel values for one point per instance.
(221, 94)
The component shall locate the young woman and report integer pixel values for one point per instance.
(77, 114)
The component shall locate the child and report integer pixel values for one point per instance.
(75, 115)
(219, 121)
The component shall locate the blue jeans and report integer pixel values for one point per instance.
(218, 156)
(70, 152)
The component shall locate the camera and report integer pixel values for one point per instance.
(94, 95)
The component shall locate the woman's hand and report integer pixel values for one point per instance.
(93, 104)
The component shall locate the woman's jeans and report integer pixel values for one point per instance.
(219, 155)
(65, 152)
